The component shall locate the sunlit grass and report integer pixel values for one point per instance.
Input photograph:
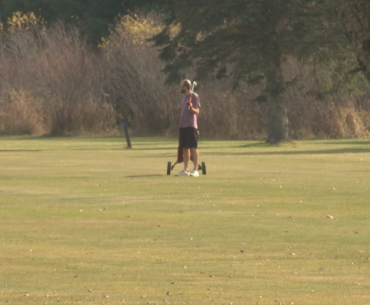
(86, 221)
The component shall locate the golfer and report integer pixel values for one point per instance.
(188, 137)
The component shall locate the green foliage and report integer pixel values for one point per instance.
(333, 78)
(246, 40)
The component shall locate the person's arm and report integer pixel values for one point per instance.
(194, 110)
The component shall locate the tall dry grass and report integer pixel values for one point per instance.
(58, 76)
(20, 114)
(134, 82)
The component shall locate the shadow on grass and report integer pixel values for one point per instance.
(20, 150)
(145, 176)
(258, 145)
(346, 142)
(136, 140)
(33, 138)
(148, 148)
(302, 152)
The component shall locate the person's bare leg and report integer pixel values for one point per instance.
(186, 154)
(195, 155)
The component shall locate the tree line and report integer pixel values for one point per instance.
(242, 43)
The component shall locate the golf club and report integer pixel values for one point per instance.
(194, 85)
(192, 90)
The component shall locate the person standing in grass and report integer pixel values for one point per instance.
(188, 134)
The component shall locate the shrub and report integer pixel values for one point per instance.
(21, 114)
(59, 70)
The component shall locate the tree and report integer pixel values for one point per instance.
(355, 19)
(247, 40)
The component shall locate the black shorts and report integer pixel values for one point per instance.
(188, 137)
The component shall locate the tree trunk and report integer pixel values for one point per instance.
(355, 19)
(277, 121)
(277, 117)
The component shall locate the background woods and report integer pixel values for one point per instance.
(55, 80)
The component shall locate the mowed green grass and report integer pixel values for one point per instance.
(86, 221)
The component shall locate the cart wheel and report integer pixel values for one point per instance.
(204, 169)
(169, 168)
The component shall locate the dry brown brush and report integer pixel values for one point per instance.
(57, 75)
(134, 82)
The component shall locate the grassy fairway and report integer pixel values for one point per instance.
(85, 221)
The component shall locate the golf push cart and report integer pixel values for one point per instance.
(180, 159)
